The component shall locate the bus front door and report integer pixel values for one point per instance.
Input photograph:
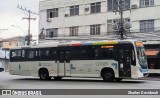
(64, 63)
(124, 61)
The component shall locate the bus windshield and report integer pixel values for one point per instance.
(142, 57)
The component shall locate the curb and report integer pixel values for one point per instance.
(151, 78)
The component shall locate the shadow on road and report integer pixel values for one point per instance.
(77, 80)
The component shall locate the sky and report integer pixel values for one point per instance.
(11, 18)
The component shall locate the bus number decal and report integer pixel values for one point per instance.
(101, 63)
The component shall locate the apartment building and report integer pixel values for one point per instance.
(66, 18)
(13, 42)
(144, 14)
(69, 18)
(5, 45)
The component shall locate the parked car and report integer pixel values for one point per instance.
(1, 68)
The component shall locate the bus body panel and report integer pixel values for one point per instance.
(61, 64)
(51, 66)
(92, 68)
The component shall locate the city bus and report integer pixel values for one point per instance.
(109, 60)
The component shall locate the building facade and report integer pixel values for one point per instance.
(143, 14)
(13, 42)
(5, 45)
(68, 18)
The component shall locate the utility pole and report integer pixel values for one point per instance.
(120, 26)
(29, 21)
(121, 30)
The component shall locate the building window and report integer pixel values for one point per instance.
(74, 10)
(50, 33)
(95, 29)
(113, 5)
(73, 31)
(109, 26)
(96, 7)
(51, 13)
(147, 26)
(146, 3)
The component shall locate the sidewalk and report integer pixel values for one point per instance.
(152, 77)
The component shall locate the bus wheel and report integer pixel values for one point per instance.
(118, 79)
(107, 75)
(57, 78)
(44, 75)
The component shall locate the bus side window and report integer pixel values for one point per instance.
(23, 55)
(61, 56)
(53, 55)
(91, 52)
(47, 55)
(104, 53)
(84, 52)
(43, 54)
(36, 55)
(76, 53)
(111, 53)
(28, 54)
(31, 54)
(97, 53)
(88, 52)
(17, 56)
(13, 55)
(67, 56)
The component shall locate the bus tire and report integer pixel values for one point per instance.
(107, 75)
(57, 78)
(44, 75)
(118, 79)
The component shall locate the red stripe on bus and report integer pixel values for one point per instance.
(76, 44)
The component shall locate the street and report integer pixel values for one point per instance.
(28, 82)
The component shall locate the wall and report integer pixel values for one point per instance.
(138, 14)
(83, 20)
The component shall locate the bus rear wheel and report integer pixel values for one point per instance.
(57, 78)
(44, 75)
(108, 75)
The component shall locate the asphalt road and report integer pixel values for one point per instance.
(28, 82)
